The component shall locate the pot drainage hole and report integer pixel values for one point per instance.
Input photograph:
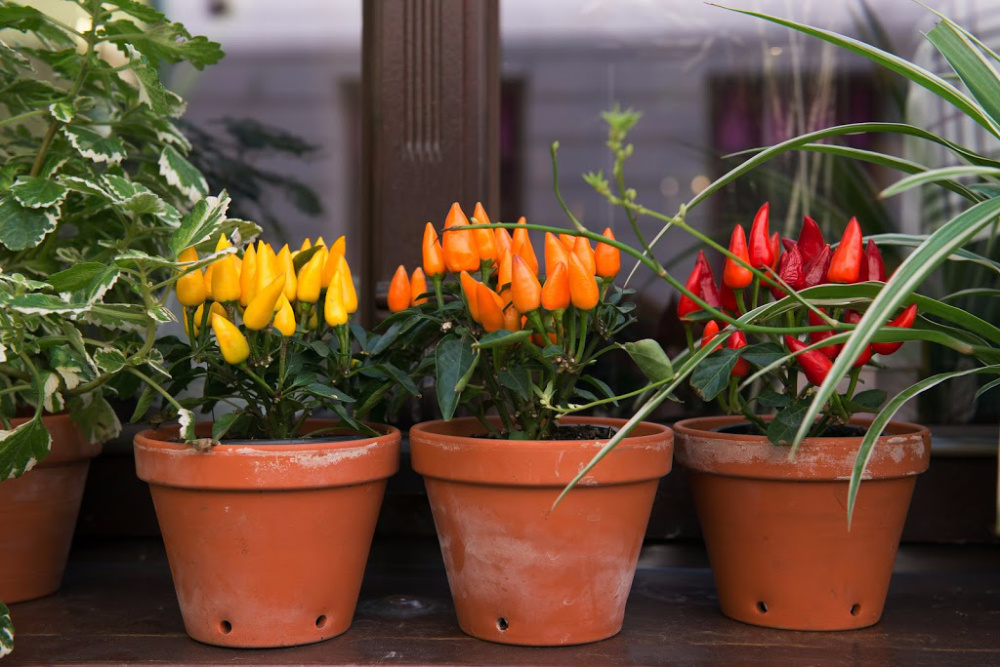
(321, 620)
(226, 627)
(762, 607)
(502, 624)
(855, 609)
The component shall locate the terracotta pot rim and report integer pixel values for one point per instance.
(163, 434)
(904, 450)
(68, 444)
(460, 457)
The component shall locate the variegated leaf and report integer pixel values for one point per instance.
(62, 111)
(93, 146)
(23, 447)
(44, 304)
(182, 174)
(6, 631)
(110, 360)
(201, 224)
(22, 228)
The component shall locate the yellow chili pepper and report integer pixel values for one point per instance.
(221, 244)
(306, 244)
(226, 280)
(286, 265)
(248, 276)
(259, 313)
(313, 321)
(191, 286)
(399, 290)
(284, 319)
(350, 295)
(232, 342)
(267, 267)
(333, 306)
(308, 286)
(338, 250)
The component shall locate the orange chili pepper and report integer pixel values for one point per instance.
(418, 286)
(568, 241)
(585, 254)
(470, 291)
(490, 308)
(583, 291)
(521, 245)
(505, 271)
(525, 288)
(607, 257)
(555, 291)
(734, 275)
(486, 244)
(555, 252)
(399, 290)
(458, 244)
(845, 265)
(433, 254)
(503, 241)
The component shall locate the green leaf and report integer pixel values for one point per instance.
(769, 398)
(62, 111)
(453, 358)
(23, 447)
(44, 304)
(885, 416)
(934, 176)
(501, 338)
(181, 174)
(910, 274)
(22, 228)
(152, 93)
(517, 378)
(327, 392)
(781, 430)
(109, 360)
(602, 386)
(93, 146)
(201, 224)
(37, 192)
(763, 354)
(166, 41)
(133, 197)
(651, 359)
(987, 387)
(970, 64)
(29, 19)
(142, 405)
(711, 377)
(867, 401)
(76, 277)
(401, 378)
(222, 424)
(380, 343)
(6, 631)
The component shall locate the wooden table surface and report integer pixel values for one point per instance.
(117, 606)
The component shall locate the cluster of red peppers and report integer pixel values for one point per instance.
(790, 265)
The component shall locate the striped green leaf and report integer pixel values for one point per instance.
(970, 64)
(935, 176)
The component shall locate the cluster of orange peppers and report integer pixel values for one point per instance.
(266, 290)
(572, 269)
(805, 262)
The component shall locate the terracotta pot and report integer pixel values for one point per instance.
(38, 513)
(520, 574)
(776, 530)
(267, 543)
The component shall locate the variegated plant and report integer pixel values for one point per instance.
(95, 191)
(974, 92)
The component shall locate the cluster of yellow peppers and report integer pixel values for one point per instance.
(572, 269)
(265, 289)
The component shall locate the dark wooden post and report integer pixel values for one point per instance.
(430, 123)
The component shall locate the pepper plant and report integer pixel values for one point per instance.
(513, 337)
(883, 312)
(270, 336)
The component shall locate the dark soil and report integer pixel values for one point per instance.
(568, 432)
(834, 431)
(304, 440)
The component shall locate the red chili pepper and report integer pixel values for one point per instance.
(811, 240)
(702, 283)
(761, 254)
(830, 351)
(904, 321)
(845, 265)
(775, 249)
(853, 317)
(816, 268)
(735, 275)
(710, 332)
(814, 364)
(727, 299)
(874, 264)
(735, 341)
(790, 270)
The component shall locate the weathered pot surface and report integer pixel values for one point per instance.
(520, 571)
(38, 513)
(267, 543)
(776, 529)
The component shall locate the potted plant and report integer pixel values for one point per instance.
(830, 311)
(268, 512)
(515, 349)
(93, 180)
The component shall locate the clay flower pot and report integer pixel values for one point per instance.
(38, 513)
(520, 573)
(267, 543)
(776, 529)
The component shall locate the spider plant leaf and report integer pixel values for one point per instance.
(937, 175)
(970, 64)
